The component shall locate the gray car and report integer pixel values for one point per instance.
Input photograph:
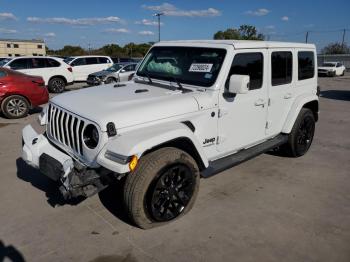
(119, 72)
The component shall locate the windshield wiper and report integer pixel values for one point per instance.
(180, 87)
(149, 78)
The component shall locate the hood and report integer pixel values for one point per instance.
(102, 73)
(330, 68)
(125, 107)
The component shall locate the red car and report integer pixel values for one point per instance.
(20, 92)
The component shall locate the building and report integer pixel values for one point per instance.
(17, 47)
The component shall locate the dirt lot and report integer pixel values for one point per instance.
(267, 209)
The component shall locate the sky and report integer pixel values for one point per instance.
(94, 23)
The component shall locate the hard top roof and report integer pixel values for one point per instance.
(239, 44)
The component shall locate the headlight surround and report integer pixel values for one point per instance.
(91, 136)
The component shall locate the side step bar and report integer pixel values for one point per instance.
(243, 155)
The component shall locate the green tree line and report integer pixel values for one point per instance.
(113, 50)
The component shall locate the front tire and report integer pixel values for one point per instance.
(162, 188)
(56, 85)
(302, 134)
(110, 80)
(15, 106)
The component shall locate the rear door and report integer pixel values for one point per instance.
(280, 84)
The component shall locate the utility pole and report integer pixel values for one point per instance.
(89, 48)
(158, 16)
(307, 36)
(342, 42)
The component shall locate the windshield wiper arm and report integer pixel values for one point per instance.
(149, 78)
(180, 87)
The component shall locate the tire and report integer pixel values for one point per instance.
(302, 134)
(166, 171)
(56, 85)
(15, 106)
(110, 80)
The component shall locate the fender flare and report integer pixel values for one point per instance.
(137, 142)
(298, 104)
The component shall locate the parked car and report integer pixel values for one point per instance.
(331, 69)
(3, 58)
(56, 74)
(20, 92)
(194, 108)
(86, 65)
(116, 73)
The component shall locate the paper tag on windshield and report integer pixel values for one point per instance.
(200, 68)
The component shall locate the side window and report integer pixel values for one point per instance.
(2, 74)
(338, 64)
(306, 65)
(79, 62)
(91, 60)
(129, 68)
(281, 67)
(38, 63)
(18, 64)
(249, 64)
(103, 60)
(52, 63)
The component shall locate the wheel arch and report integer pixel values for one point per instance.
(306, 101)
(15, 94)
(58, 76)
(183, 143)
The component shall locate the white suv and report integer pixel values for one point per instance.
(54, 71)
(194, 108)
(83, 66)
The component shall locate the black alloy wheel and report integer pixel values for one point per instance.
(170, 193)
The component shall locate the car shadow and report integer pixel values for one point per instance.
(35, 110)
(112, 199)
(343, 95)
(10, 253)
(43, 183)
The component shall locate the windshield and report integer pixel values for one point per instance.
(189, 65)
(114, 67)
(328, 65)
(68, 60)
(4, 61)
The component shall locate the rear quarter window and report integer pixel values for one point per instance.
(103, 60)
(306, 65)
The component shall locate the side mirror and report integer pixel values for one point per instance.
(122, 71)
(239, 84)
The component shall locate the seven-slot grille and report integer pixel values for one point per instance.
(66, 128)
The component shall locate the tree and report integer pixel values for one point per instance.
(336, 48)
(69, 50)
(244, 32)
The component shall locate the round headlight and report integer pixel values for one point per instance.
(91, 136)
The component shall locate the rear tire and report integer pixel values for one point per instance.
(56, 85)
(301, 136)
(162, 188)
(15, 106)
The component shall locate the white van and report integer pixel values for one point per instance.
(85, 65)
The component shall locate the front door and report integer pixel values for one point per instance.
(242, 118)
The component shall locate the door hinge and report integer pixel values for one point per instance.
(267, 125)
(222, 112)
(220, 139)
(269, 102)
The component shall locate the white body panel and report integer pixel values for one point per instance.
(81, 71)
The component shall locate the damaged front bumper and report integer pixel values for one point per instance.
(74, 178)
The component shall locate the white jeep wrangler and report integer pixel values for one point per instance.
(194, 108)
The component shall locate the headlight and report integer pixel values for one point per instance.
(91, 136)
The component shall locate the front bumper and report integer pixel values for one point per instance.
(74, 178)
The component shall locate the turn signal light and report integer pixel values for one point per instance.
(133, 162)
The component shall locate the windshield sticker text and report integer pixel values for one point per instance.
(200, 68)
